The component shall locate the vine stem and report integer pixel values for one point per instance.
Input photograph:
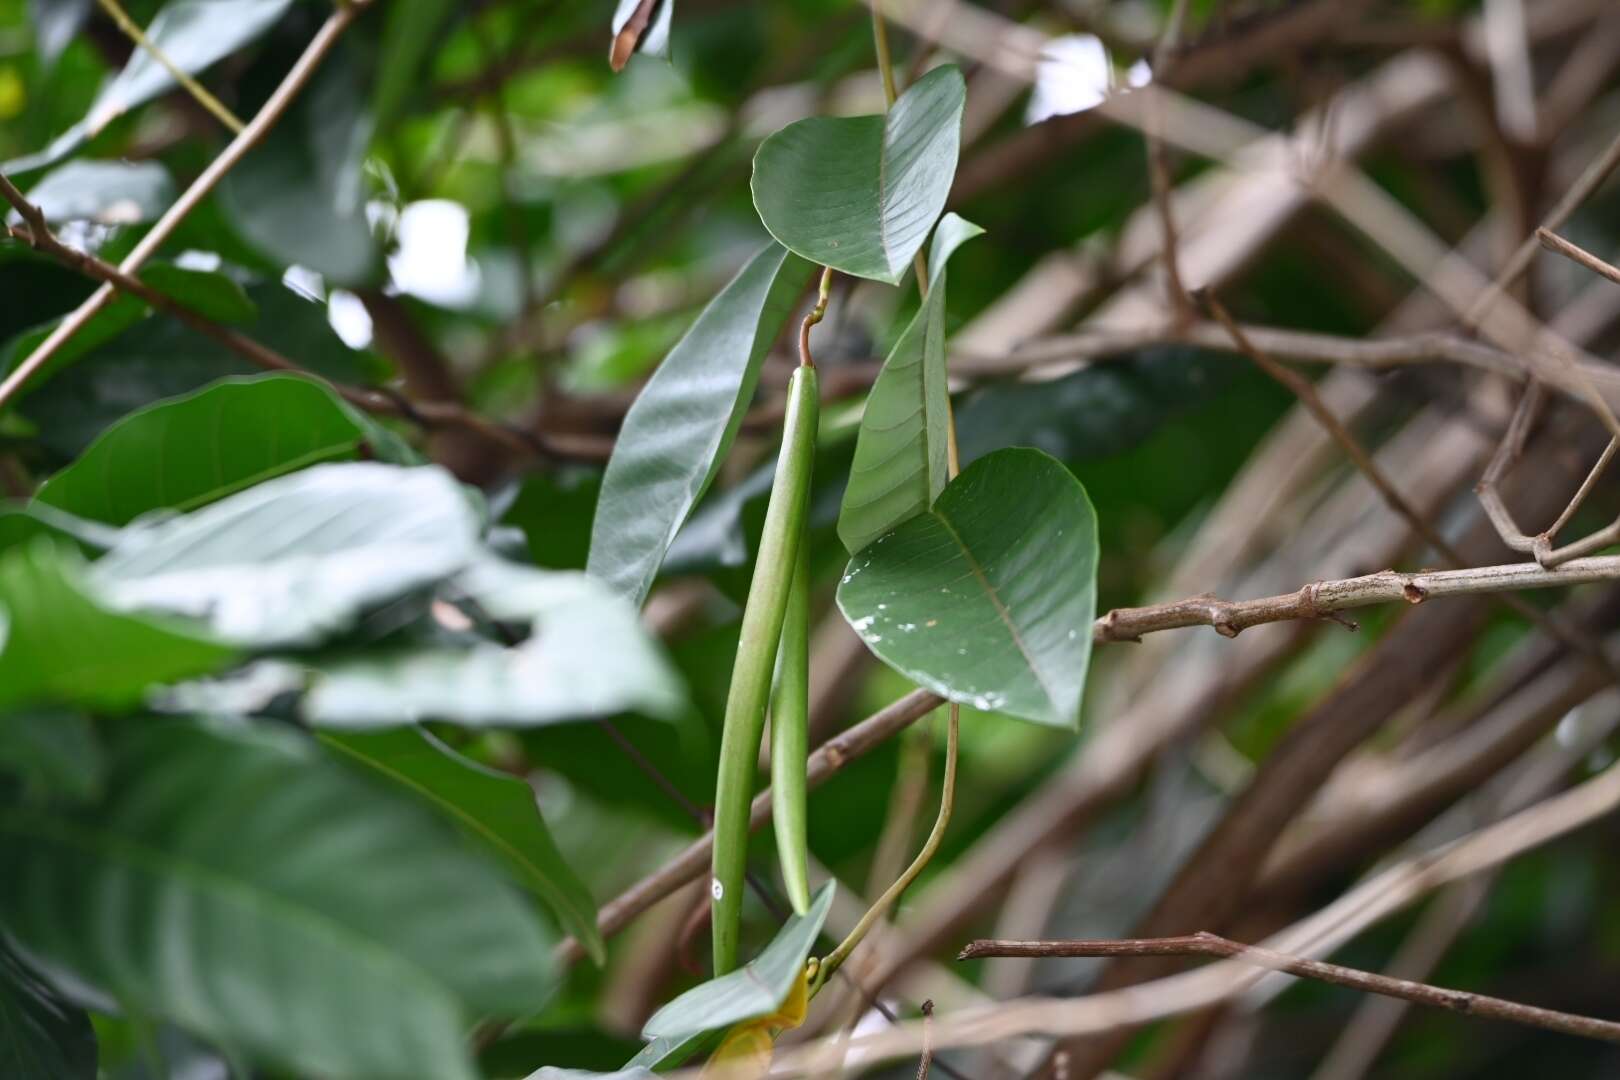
(947, 798)
(815, 315)
(196, 89)
(315, 52)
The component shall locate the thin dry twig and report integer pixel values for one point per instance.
(1207, 944)
(196, 89)
(1391, 890)
(294, 81)
(1322, 599)
(1555, 243)
(928, 1042)
(429, 415)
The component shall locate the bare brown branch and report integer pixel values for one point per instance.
(1207, 944)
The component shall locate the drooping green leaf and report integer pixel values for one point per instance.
(497, 808)
(208, 293)
(640, 26)
(42, 1037)
(757, 989)
(298, 557)
(65, 645)
(988, 598)
(587, 656)
(54, 751)
(265, 897)
(189, 451)
(684, 420)
(860, 193)
(300, 197)
(106, 192)
(902, 451)
(193, 35)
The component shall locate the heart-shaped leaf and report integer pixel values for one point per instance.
(860, 194)
(756, 989)
(684, 420)
(186, 452)
(588, 656)
(42, 1037)
(265, 897)
(299, 557)
(62, 644)
(496, 808)
(988, 598)
(902, 450)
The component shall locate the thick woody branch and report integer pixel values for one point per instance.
(1322, 599)
(1206, 944)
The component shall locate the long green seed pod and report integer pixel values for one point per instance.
(756, 657)
(790, 737)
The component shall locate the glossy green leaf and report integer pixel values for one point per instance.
(860, 193)
(193, 34)
(53, 751)
(299, 557)
(215, 295)
(587, 656)
(756, 989)
(42, 1037)
(988, 598)
(496, 808)
(903, 449)
(65, 645)
(262, 896)
(300, 196)
(684, 420)
(106, 192)
(189, 451)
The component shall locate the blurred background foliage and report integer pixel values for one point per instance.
(473, 176)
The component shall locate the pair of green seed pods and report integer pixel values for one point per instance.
(775, 620)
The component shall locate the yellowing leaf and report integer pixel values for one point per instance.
(746, 1049)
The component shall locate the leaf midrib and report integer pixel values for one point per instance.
(155, 861)
(1001, 609)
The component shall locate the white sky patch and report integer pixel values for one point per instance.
(349, 318)
(431, 263)
(1075, 73)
